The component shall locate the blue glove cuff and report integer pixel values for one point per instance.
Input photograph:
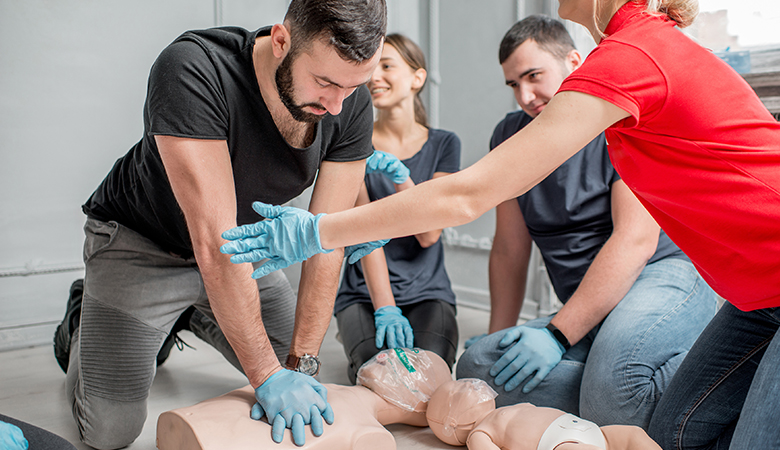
(317, 233)
(388, 310)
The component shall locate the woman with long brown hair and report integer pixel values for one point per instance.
(400, 296)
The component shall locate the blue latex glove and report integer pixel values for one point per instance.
(388, 165)
(392, 324)
(11, 437)
(290, 399)
(473, 340)
(290, 236)
(536, 351)
(353, 253)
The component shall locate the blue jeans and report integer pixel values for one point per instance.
(617, 372)
(726, 394)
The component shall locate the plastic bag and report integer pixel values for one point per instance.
(401, 376)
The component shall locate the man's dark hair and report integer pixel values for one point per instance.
(549, 34)
(355, 28)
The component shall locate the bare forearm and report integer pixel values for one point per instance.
(608, 279)
(377, 279)
(427, 206)
(235, 301)
(316, 295)
(507, 290)
(427, 238)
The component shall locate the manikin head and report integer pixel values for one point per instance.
(400, 76)
(536, 55)
(404, 377)
(327, 48)
(457, 407)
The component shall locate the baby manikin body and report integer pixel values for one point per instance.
(463, 412)
(396, 385)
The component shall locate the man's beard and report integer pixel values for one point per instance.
(284, 85)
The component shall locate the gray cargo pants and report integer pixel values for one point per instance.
(133, 293)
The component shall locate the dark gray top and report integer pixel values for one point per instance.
(416, 273)
(569, 214)
(203, 86)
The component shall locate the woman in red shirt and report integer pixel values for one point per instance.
(696, 146)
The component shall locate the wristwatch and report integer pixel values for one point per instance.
(559, 336)
(306, 364)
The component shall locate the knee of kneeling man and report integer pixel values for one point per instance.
(116, 428)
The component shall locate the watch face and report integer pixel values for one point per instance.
(309, 365)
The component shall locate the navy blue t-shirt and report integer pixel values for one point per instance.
(203, 86)
(569, 214)
(416, 273)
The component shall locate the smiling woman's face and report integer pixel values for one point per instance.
(393, 80)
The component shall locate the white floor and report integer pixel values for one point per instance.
(32, 385)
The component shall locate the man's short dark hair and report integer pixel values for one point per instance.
(549, 34)
(355, 28)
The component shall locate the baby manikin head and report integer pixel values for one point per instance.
(457, 407)
(405, 377)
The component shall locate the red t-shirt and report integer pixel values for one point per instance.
(700, 150)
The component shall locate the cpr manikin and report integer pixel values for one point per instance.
(463, 412)
(395, 388)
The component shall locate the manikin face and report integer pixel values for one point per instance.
(315, 81)
(535, 75)
(394, 81)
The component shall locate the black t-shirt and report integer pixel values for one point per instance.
(416, 273)
(203, 86)
(569, 214)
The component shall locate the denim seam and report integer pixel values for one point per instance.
(660, 320)
(712, 387)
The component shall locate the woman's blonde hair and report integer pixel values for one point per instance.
(683, 12)
(414, 57)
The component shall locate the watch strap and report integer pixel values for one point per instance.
(559, 336)
(292, 362)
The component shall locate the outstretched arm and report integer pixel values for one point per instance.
(567, 124)
(569, 121)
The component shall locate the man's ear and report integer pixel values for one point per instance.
(280, 40)
(420, 76)
(573, 60)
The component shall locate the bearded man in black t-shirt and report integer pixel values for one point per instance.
(231, 116)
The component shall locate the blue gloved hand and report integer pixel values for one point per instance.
(391, 323)
(353, 253)
(473, 340)
(290, 399)
(290, 236)
(388, 165)
(11, 437)
(536, 350)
